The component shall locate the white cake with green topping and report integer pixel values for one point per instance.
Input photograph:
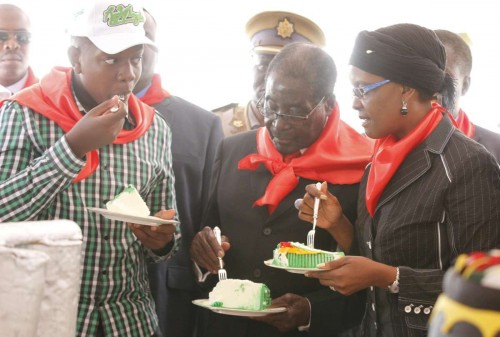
(128, 202)
(240, 294)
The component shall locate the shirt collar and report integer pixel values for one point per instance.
(19, 84)
(143, 92)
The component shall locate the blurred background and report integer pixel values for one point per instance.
(204, 51)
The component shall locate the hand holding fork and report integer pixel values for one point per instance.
(312, 232)
(222, 272)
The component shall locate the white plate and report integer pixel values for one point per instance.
(238, 312)
(269, 263)
(141, 220)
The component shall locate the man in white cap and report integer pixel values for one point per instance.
(269, 32)
(77, 139)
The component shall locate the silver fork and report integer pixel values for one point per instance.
(312, 232)
(222, 272)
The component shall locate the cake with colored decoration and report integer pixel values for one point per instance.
(240, 294)
(470, 303)
(298, 255)
(130, 202)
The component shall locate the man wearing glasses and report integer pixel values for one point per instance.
(257, 177)
(269, 32)
(15, 37)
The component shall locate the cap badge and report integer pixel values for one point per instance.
(285, 28)
(121, 15)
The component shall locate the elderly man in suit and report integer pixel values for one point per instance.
(459, 66)
(257, 177)
(195, 134)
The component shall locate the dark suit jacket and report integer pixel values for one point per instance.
(254, 234)
(490, 140)
(442, 201)
(195, 136)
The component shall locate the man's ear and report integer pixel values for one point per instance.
(465, 85)
(74, 54)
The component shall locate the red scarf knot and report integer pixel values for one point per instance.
(338, 156)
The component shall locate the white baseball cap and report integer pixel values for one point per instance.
(112, 26)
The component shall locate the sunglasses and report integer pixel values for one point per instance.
(360, 92)
(22, 37)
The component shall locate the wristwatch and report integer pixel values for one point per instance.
(394, 286)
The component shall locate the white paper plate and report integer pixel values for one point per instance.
(238, 312)
(141, 220)
(269, 263)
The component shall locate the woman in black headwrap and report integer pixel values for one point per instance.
(429, 194)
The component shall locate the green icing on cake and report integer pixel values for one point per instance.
(240, 294)
(129, 201)
(298, 255)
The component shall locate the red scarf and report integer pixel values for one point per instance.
(390, 153)
(463, 124)
(31, 78)
(155, 93)
(52, 97)
(338, 156)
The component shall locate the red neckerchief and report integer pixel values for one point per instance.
(339, 156)
(31, 78)
(52, 97)
(155, 93)
(463, 124)
(390, 153)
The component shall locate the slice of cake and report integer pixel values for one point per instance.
(128, 202)
(240, 294)
(298, 255)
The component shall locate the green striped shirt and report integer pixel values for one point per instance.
(36, 172)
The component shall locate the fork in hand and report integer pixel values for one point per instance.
(312, 232)
(222, 272)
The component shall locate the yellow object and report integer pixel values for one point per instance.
(486, 321)
(296, 250)
(461, 263)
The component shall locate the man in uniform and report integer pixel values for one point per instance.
(269, 32)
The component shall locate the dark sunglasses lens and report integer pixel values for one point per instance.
(4, 36)
(23, 37)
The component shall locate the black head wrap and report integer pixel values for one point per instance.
(404, 53)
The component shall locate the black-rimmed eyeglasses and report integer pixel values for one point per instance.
(360, 92)
(22, 37)
(271, 114)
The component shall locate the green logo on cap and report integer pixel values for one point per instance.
(121, 15)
